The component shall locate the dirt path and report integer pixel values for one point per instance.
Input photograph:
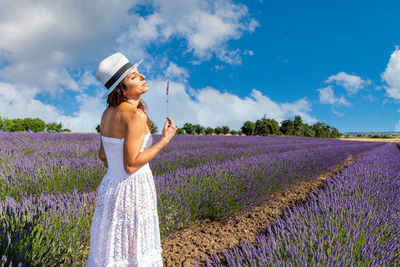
(208, 236)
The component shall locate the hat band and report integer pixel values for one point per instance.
(117, 75)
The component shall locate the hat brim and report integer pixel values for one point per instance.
(112, 87)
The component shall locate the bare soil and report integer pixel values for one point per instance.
(182, 247)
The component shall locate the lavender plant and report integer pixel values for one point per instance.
(49, 184)
(354, 220)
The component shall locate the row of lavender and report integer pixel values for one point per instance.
(353, 221)
(49, 185)
(43, 163)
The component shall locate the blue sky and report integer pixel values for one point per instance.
(336, 62)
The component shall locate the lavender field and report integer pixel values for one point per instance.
(49, 186)
(354, 221)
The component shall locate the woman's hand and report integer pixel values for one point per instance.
(169, 130)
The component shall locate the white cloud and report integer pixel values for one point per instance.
(369, 97)
(173, 71)
(49, 47)
(327, 96)
(391, 75)
(16, 103)
(248, 52)
(206, 27)
(351, 83)
(206, 106)
(43, 38)
(230, 56)
(217, 67)
(337, 112)
(89, 115)
(210, 107)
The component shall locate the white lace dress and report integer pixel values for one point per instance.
(125, 227)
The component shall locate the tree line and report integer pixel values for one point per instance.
(30, 125)
(288, 127)
(262, 127)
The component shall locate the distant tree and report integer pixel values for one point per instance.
(334, 133)
(8, 125)
(59, 127)
(36, 125)
(155, 127)
(198, 129)
(321, 130)
(248, 128)
(225, 129)
(218, 130)
(273, 127)
(308, 131)
(1, 124)
(261, 128)
(188, 128)
(233, 132)
(98, 128)
(209, 130)
(19, 125)
(287, 127)
(53, 127)
(180, 131)
(302, 129)
(298, 126)
(266, 127)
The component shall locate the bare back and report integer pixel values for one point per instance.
(113, 121)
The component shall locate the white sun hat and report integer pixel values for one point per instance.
(113, 69)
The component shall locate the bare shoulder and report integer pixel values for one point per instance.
(134, 121)
(129, 113)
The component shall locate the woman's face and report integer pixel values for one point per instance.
(135, 84)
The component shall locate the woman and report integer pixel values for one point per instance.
(125, 227)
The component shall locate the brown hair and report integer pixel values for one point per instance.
(117, 96)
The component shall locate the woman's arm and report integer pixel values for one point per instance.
(134, 138)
